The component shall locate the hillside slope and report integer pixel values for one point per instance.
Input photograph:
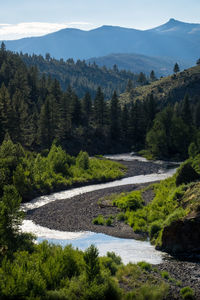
(137, 63)
(81, 76)
(169, 89)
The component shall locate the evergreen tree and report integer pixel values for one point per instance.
(87, 108)
(47, 122)
(124, 125)
(114, 118)
(99, 109)
(198, 62)
(142, 78)
(152, 76)
(129, 86)
(176, 68)
(76, 111)
(150, 108)
(186, 110)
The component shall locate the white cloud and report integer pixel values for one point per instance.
(17, 31)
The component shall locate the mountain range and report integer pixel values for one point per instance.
(175, 39)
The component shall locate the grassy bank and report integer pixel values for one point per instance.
(53, 170)
(173, 199)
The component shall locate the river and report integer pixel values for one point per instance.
(130, 250)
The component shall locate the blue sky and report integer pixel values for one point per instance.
(26, 18)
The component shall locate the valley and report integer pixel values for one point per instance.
(99, 153)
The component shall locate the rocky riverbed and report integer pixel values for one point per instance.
(77, 213)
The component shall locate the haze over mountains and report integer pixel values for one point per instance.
(174, 39)
(137, 63)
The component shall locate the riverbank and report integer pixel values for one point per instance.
(181, 274)
(78, 212)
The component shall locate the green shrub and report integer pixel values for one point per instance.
(145, 266)
(131, 201)
(187, 293)
(109, 222)
(99, 220)
(82, 160)
(116, 258)
(154, 229)
(175, 215)
(193, 150)
(165, 275)
(148, 292)
(121, 216)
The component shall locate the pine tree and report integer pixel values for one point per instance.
(99, 108)
(176, 68)
(124, 124)
(129, 86)
(142, 78)
(186, 111)
(87, 108)
(152, 76)
(114, 118)
(198, 62)
(76, 112)
(47, 122)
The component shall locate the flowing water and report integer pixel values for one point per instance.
(129, 249)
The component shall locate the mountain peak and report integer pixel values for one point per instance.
(172, 21)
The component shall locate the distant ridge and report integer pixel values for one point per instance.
(174, 39)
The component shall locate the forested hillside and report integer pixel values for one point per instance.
(35, 111)
(168, 89)
(81, 76)
(162, 66)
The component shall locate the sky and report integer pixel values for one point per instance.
(24, 18)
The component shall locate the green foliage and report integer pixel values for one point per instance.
(187, 293)
(165, 275)
(169, 136)
(121, 216)
(111, 262)
(109, 222)
(193, 150)
(92, 263)
(154, 230)
(99, 220)
(131, 201)
(10, 217)
(34, 174)
(82, 160)
(160, 212)
(145, 266)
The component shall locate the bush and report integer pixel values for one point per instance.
(193, 150)
(99, 220)
(121, 216)
(131, 201)
(186, 174)
(82, 160)
(165, 275)
(187, 293)
(109, 222)
(154, 229)
(145, 266)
